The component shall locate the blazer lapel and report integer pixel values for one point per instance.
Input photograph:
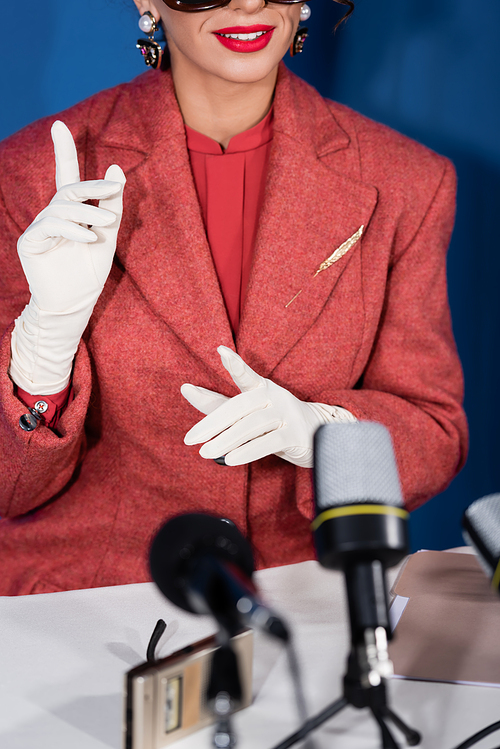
(162, 241)
(309, 211)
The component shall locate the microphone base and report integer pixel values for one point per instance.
(359, 696)
(375, 698)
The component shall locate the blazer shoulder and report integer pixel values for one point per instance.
(27, 167)
(88, 113)
(390, 156)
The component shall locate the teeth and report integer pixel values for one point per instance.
(244, 37)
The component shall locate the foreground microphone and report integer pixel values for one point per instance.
(360, 526)
(481, 530)
(204, 565)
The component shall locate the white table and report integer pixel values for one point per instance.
(63, 657)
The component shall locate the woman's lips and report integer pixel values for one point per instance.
(245, 38)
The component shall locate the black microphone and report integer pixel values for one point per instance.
(481, 530)
(204, 565)
(360, 526)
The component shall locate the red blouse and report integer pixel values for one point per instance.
(230, 185)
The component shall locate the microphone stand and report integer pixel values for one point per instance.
(363, 687)
(224, 693)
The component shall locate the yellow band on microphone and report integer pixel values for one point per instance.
(495, 581)
(347, 510)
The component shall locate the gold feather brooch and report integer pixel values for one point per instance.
(334, 257)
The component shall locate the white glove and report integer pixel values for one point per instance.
(265, 419)
(66, 265)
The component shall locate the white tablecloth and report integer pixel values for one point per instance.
(63, 657)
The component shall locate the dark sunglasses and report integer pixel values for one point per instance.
(191, 6)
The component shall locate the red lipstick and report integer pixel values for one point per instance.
(245, 45)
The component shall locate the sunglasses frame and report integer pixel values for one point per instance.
(211, 4)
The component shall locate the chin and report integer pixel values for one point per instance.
(247, 68)
(245, 73)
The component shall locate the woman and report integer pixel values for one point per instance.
(314, 245)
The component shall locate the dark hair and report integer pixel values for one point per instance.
(349, 3)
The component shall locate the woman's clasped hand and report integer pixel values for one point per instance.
(265, 419)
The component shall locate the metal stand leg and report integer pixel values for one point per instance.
(359, 695)
(388, 741)
(313, 723)
(413, 738)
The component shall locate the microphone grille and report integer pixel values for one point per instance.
(355, 463)
(482, 528)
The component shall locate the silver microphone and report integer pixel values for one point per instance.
(481, 530)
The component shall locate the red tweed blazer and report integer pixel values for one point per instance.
(371, 333)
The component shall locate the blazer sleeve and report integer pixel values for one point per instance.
(413, 381)
(36, 465)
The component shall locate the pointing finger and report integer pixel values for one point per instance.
(67, 169)
(243, 376)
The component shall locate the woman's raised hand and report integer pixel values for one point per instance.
(66, 254)
(65, 262)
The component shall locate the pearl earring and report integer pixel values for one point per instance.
(150, 50)
(305, 12)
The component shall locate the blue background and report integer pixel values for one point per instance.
(430, 70)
